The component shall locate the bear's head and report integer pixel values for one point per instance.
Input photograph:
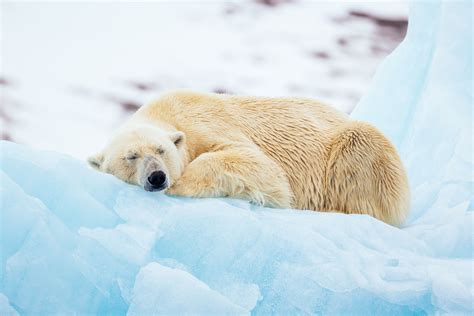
(146, 156)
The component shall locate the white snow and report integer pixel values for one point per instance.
(69, 65)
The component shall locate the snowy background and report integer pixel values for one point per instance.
(72, 72)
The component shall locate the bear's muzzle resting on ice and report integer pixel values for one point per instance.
(153, 176)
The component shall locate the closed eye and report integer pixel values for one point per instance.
(132, 157)
(160, 150)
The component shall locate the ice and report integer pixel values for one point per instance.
(422, 99)
(75, 241)
(156, 284)
(5, 308)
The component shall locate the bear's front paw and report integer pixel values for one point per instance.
(189, 189)
(178, 189)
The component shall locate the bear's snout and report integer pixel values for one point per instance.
(156, 181)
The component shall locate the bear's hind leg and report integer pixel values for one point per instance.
(365, 175)
(238, 171)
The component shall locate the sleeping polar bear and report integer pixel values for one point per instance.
(277, 152)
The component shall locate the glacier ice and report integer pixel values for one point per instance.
(5, 308)
(74, 241)
(422, 99)
(156, 283)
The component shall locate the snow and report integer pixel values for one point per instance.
(75, 68)
(75, 241)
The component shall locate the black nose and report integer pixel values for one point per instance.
(157, 179)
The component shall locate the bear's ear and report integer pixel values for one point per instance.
(177, 138)
(96, 161)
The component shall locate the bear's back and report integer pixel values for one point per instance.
(294, 132)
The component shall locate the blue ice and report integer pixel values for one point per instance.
(75, 241)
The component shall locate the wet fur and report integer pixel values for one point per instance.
(282, 152)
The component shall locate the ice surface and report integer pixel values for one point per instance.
(5, 308)
(74, 241)
(156, 284)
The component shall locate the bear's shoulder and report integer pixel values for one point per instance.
(190, 97)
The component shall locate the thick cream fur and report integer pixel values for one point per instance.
(279, 152)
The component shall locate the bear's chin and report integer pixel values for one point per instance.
(150, 188)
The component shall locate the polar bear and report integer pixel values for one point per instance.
(277, 152)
